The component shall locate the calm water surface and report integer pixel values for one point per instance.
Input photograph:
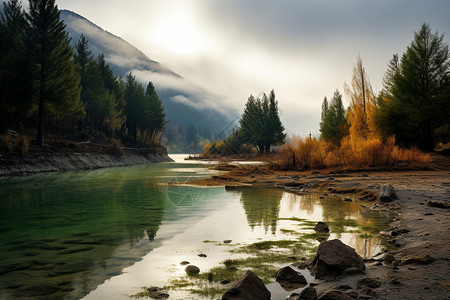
(107, 233)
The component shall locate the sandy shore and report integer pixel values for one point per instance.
(418, 265)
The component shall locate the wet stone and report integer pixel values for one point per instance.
(369, 282)
(192, 270)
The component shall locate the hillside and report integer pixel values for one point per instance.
(184, 103)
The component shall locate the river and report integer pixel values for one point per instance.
(109, 233)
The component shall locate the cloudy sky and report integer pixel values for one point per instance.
(304, 50)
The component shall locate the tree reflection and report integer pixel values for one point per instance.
(76, 230)
(262, 207)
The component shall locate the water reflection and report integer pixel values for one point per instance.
(262, 207)
(354, 225)
(62, 235)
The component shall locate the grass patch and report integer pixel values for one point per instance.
(209, 291)
(266, 245)
(289, 231)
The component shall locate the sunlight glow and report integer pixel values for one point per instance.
(178, 31)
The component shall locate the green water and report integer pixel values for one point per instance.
(105, 233)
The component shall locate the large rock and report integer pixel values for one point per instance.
(249, 287)
(308, 293)
(387, 193)
(321, 227)
(333, 257)
(290, 279)
(287, 274)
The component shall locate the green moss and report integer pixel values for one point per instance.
(288, 231)
(210, 242)
(208, 291)
(366, 236)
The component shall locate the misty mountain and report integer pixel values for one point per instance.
(184, 103)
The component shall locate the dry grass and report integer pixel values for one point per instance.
(304, 154)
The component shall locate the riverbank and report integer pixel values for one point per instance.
(77, 156)
(418, 264)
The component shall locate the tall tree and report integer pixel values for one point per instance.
(362, 104)
(14, 76)
(82, 55)
(57, 83)
(260, 123)
(157, 116)
(275, 129)
(361, 91)
(334, 124)
(389, 76)
(421, 91)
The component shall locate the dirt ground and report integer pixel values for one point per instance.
(418, 265)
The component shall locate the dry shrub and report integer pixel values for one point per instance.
(413, 157)
(310, 153)
(302, 154)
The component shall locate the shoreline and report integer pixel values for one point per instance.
(418, 265)
(47, 160)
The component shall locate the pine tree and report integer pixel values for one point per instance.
(15, 84)
(389, 76)
(260, 123)
(57, 83)
(421, 91)
(275, 129)
(82, 55)
(334, 123)
(157, 116)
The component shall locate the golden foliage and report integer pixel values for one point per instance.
(354, 152)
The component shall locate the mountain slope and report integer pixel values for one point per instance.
(184, 103)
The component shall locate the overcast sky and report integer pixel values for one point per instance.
(303, 50)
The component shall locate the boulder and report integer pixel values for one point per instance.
(387, 193)
(192, 270)
(290, 279)
(249, 287)
(308, 293)
(334, 295)
(333, 257)
(321, 227)
(287, 274)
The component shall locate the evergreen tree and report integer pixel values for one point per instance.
(334, 124)
(275, 129)
(389, 77)
(156, 114)
(135, 100)
(15, 85)
(260, 124)
(82, 55)
(420, 92)
(57, 83)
